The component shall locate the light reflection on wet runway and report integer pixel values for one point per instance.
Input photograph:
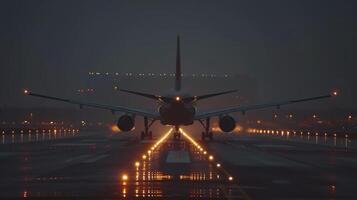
(153, 176)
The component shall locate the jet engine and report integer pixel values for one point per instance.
(227, 123)
(126, 123)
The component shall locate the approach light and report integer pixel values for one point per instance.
(144, 157)
(124, 177)
(137, 164)
(210, 157)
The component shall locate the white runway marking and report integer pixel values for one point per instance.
(274, 146)
(78, 158)
(94, 140)
(95, 159)
(6, 154)
(178, 157)
(74, 144)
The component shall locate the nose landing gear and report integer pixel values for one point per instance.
(146, 134)
(177, 134)
(206, 133)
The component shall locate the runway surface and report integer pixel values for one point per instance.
(234, 166)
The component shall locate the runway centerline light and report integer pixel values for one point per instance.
(124, 177)
(137, 164)
(210, 157)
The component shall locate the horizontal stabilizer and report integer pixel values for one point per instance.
(200, 97)
(150, 96)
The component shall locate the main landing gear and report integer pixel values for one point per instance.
(206, 126)
(177, 134)
(146, 134)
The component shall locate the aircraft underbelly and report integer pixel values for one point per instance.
(176, 116)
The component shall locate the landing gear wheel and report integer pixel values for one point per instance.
(150, 135)
(177, 135)
(142, 136)
(146, 133)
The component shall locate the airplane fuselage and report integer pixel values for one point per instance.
(177, 113)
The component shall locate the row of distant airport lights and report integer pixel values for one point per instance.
(125, 177)
(48, 130)
(267, 131)
(156, 74)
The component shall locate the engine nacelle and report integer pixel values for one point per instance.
(126, 123)
(227, 123)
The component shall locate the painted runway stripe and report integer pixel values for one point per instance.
(274, 146)
(95, 159)
(178, 157)
(78, 158)
(74, 144)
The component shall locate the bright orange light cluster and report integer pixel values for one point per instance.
(189, 138)
(114, 128)
(161, 140)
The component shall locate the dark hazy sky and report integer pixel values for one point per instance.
(290, 48)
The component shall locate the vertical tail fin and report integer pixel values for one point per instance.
(178, 67)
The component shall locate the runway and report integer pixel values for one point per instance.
(233, 166)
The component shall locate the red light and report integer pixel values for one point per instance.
(26, 91)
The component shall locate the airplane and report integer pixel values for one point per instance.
(178, 108)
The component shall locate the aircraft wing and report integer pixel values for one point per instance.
(111, 108)
(243, 109)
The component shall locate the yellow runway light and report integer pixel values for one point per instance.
(124, 177)
(137, 164)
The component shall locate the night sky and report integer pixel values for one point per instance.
(289, 48)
